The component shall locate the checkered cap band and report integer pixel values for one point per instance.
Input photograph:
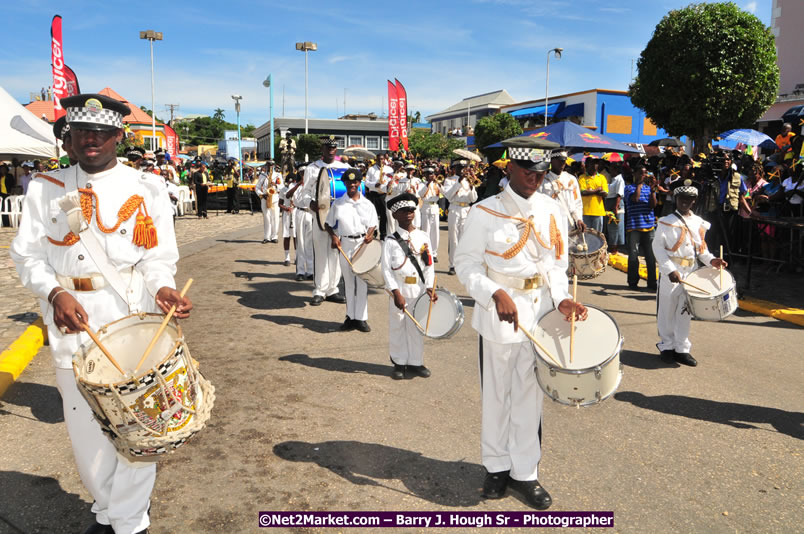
(95, 116)
(536, 155)
(686, 190)
(402, 204)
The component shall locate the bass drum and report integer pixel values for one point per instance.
(329, 186)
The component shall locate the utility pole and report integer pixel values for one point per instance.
(171, 108)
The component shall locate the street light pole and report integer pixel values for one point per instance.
(267, 83)
(237, 99)
(305, 47)
(152, 36)
(557, 53)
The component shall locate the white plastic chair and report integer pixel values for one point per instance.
(184, 196)
(191, 201)
(11, 208)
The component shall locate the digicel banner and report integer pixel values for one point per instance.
(402, 97)
(393, 118)
(65, 82)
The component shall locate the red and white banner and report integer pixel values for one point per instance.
(172, 141)
(393, 118)
(402, 97)
(65, 82)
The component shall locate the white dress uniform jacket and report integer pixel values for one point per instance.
(460, 195)
(430, 192)
(676, 248)
(287, 216)
(303, 222)
(405, 342)
(564, 189)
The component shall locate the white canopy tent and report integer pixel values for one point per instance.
(23, 135)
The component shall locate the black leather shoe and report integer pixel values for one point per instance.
(299, 277)
(533, 493)
(264, 241)
(495, 484)
(310, 277)
(98, 528)
(317, 300)
(363, 326)
(335, 297)
(348, 324)
(435, 260)
(668, 355)
(419, 370)
(686, 358)
(286, 263)
(274, 241)
(399, 372)
(451, 271)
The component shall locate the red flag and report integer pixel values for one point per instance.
(172, 141)
(393, 118)
(402, 97)
(65, 82)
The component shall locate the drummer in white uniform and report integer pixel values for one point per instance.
(430, 193)
(514, 282)
(303, 224)
(350, 223)
(407, 267)
(131, 235)
(562, 187)
(288, 212)
(460, 194)
(678, 246)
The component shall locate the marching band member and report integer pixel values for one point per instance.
(304, 229)
(94, 263)
(267, 189)
(167, 170)
(430, 193)
(407, 267)
(563, 187)
(393, 189)
(351, 222)
(679, 245)
(376, 180)
(327, 270)
(460, 194)
(288, 212)
(512, 260)
(405, 182)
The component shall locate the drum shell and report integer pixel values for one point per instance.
(714, 307)
(367, 263)
(590, 264)
(422, 305)
(581, 387)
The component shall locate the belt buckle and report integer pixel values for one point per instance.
(410, 279)
(83, 284)
(532, 283)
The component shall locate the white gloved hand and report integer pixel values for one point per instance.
(70, 204)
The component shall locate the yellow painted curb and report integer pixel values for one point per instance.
(19, 354)
(762, 307)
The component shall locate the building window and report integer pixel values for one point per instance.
(384, 143)
(341, 140)
(151, 143)
(356, 140)
(372, 143)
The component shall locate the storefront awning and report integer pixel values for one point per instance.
(573, 110)
(524, 113)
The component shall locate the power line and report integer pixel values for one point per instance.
(171, 108)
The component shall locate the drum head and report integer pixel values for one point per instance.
(596, 339)
(708, 278)
(323, 197)
(367, 256)
(594, 241)
(446, 316)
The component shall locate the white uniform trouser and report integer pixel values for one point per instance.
(304, 242)
(327, 271)
(673, 322)
(405, 343)
(355, 287)
(270, 220)
(512, 409)
(430, 223)
(288, 226)
(121, 489)
(456, 219)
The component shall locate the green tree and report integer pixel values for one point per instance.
(432, 145)
(219, 114)
(707, 68)
(493, 129)
(309, 144)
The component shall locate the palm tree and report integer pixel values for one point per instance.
(219, 115)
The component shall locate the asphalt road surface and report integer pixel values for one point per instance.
(308, 418)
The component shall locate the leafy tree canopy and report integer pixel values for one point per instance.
(493, 129)
(209, 130)
(707, 68)
(432, 145)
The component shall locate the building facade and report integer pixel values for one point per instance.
(462, 116)
(371, 133)
(228, 146)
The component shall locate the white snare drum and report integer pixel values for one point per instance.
(587, 260)
(157, 410)
(595, 371)
(446, 318)
(719, 302)
(367, 263)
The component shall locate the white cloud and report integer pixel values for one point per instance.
(751, 7)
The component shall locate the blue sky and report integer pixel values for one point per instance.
(442, 51)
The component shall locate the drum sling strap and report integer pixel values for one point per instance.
(694, 248)
(406, 249)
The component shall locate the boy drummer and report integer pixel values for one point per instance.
(407, 266)
(678, 246)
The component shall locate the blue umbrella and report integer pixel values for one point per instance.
(570, 135)
(746, 136)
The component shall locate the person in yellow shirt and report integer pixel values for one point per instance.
(785, 138)
(594, 188)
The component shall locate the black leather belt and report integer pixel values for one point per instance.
(361, 236)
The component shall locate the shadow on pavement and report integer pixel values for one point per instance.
(259, 262)
(262, 296)
(239, 240)
(338, 364)
(44, 401)
(39, 504)
(645, 360)
(315, 325)
(726, 413)
(366, 464)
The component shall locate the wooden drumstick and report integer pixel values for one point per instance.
(430, 308)
(695, 287)
(536, 342)
(721, 267)
(162, 326)
(412, 318)
(97, 341)
(572, 324)
(346, 257)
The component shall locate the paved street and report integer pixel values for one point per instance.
(307, 418)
